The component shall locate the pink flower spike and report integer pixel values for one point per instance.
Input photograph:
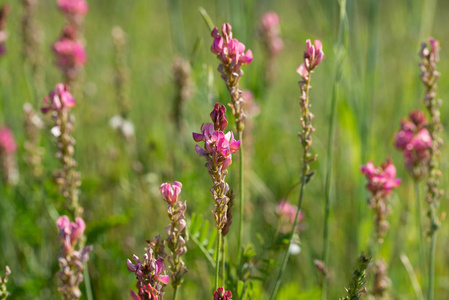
(7, 143)
(58, 98)
(73, 7)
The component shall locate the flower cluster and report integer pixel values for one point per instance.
(272, 43)
(8, 160)
(218, 149)
(71, 260)
(381, 181)
(150, 275)
(312, 57)
(231, 54)
(59, 102)
(429, 76)
(4, 12)
(270, 30)
(175, 230)
(75, 10)
(222, 294)
(70, 53)
(414, 140)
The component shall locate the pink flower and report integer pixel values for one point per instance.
(270, 21)
(58, 98)
(70, 232)
(230, 51)
(218, 116)
(288, 211)
(381, 180)
(218, 146)
(313, 56)
(7, 143)
(73, 7)
(69, 54)
(171, 192)
(222, 294)
(414, 140)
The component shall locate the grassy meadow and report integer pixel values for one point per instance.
(123, 208)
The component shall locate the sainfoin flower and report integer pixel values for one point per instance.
(69, 53)
(73, 7)
(222, 294)
(171, 192)
(70, 232)
(150, 275)
(71, 260)
(230, 50)
(218, 149)
(270, 30)
(414, 140)
(381, 180)
(7, 141)
(288, 211)
(58, 98)
(313, 56)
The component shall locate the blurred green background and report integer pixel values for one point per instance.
(380, 85)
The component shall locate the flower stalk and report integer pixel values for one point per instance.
(429, 76)
(231, 54)
(313, 56)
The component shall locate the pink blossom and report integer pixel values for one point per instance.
(73, 7)
(313, 56)
(58, 98)
(7, 142)
(70, 232)
(288, 211)
(70, 54)
(381, 180)
(218, 146)
(218, 116)
(222, 294)
(414, 140)
(270, 21)
(171, 192)
(230, 51)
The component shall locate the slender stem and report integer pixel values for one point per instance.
(325, 257)
(217, 259)
(411, 274)
(241, 205)
(175, 293)
(223, 252)
(432, 265)
(295, 224)
(422, 250)
(87, 283)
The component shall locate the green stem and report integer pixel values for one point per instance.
(241, 205)
(341, 55)
(87, 283)
(295, 223)
(217, 259)
(175, 293)
(223, 252)
(432, 265)
(422, 250)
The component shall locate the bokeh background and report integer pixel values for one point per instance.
(380, 84)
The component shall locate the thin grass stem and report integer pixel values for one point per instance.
(433, 243)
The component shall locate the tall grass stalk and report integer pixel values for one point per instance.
(177, 26)
(341, 55)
